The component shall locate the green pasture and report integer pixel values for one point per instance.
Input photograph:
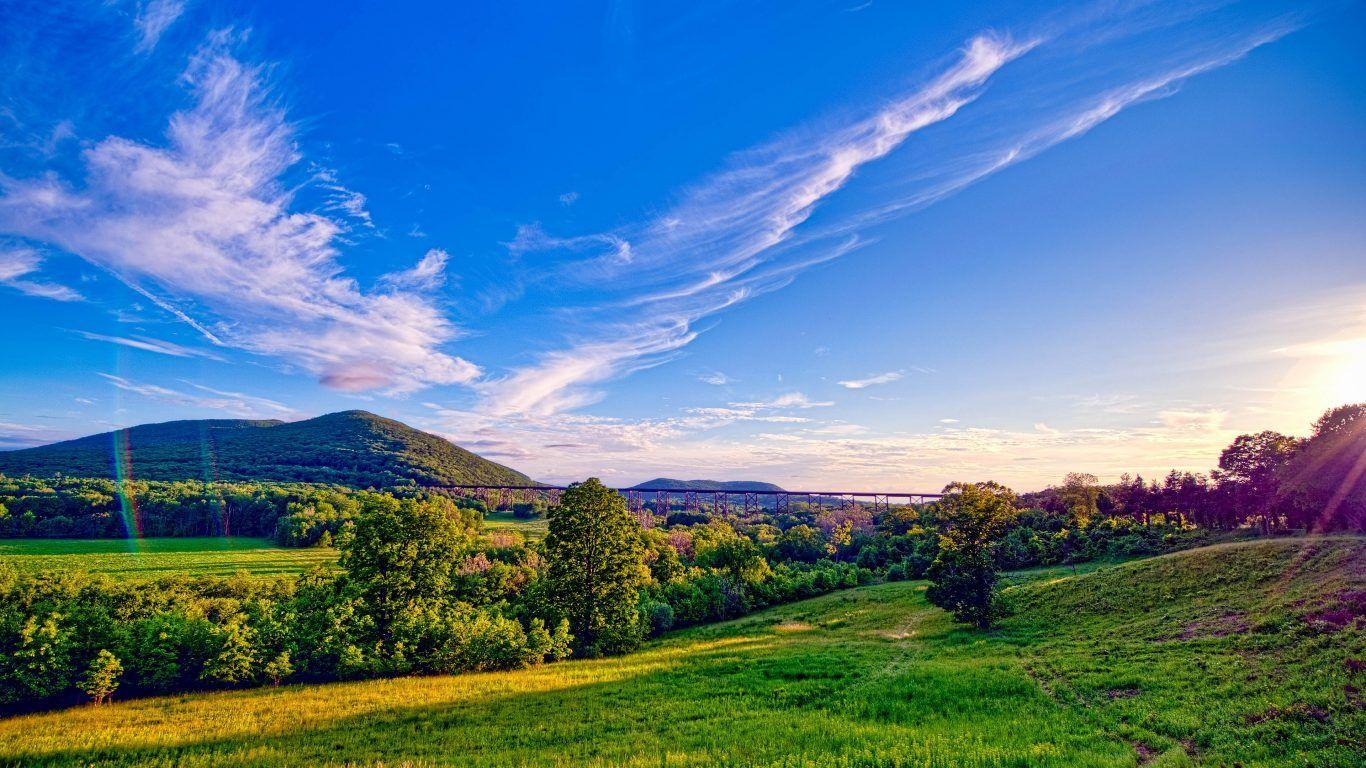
(1235, 655)
(150, 558)
(532, 528)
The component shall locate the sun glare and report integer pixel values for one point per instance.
(1346, 379)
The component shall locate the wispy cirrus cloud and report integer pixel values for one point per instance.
(714, 249)
(776, 210)
(205, 226)
(16, 267)
(871, 381)
(147, 344)
(786, 400)
(428, 274)
(237, 403)
(153, 18)
(714, 378)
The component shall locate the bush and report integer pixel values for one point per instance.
(658, 616)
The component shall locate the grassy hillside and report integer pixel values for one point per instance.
(1244, 654)
(351, 448)
(152, 558)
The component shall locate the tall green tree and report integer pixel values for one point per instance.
(1323, 487)
(964, 577)
(1249, 472)
(594, 568)
(400, 555)
(39, 665)
(1080, 491)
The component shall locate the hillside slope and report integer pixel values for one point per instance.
(353, 448)
(1244, 654)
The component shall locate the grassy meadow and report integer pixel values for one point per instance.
(532, 528)
(153, 557)
(1239, 654)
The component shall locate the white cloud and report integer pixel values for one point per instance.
(881, 378)
(714, 378)
(152, 345)
(14, 435)
(153, 18)
(237, 403)
(704, 442)
(206, 221)
(428, 274)
(785, 401)
(569, 198)
(16, 263)
(840, 430)
(341, 199)
(1190, 420)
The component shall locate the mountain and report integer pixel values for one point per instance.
(352, 448)
(666, 483)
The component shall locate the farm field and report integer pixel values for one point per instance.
(1237, 654)
(154, 557)
(532, 528)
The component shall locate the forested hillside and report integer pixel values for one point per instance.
(352, 448)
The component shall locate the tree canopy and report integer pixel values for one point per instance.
(594, 567)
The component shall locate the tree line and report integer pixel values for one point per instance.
(420, 589)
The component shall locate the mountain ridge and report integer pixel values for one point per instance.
(753, 486)
(353, 448)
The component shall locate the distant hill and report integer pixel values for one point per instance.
(709, 485)
(352, 448)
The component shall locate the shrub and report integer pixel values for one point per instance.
(658, 616)
(102, 677)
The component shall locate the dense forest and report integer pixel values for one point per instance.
(352, 448)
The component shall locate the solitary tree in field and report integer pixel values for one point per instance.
(963, 577)
(594, 569)
(102, 679)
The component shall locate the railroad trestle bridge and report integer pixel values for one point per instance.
(659, 501)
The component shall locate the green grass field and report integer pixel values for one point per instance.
(1237, 654)
(533, 528)
(149, 558)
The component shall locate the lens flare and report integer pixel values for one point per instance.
(123, 487)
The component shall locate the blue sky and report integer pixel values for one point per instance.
(832, 243)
